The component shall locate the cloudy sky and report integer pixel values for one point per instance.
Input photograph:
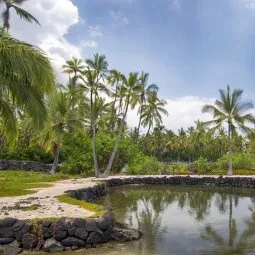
(191, 48)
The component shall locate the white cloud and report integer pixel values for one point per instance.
(89, 44)
(95, 31)
(250, 4)
(56, 18)
(118, 19)
(182, 111)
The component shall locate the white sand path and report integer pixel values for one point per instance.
(49, 204)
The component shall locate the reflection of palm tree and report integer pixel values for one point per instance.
(233, 245)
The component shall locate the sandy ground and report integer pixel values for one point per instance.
(49, 206)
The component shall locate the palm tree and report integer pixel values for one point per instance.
(26, 77)
(131, 85)
(230, 109)
(152, 111)
(23, 14)
(114, 79)
(61, 120)
(145, 92)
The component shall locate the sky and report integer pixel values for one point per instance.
(191, 48)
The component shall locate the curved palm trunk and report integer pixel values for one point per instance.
(109, 166)
(148, 132)
(230, 167)
(56, 159)
(112, 121)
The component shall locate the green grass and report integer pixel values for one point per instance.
(17, 183)
(31, 208)
(97, 209)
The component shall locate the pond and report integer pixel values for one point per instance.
(183, 220)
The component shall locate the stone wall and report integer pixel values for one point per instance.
(89, 194)
(243, 182)
(24, 165)
(63, 234)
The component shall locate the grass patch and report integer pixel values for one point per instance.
(97, 209)
(31, 208)
(17, 183)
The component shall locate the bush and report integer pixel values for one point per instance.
(178, 168)
(203, 165)
(240, 161)
(142, 165)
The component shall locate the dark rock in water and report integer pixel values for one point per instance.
(7, 222)
(96, 237)
(120, 234)
(51, 245)
(91, 226)
(81, 233)
(10, 249)
(72, 241)
(6, 232)
(105, 222)
(79, 222)
(29, 241)
(6, 240)
(60, 235)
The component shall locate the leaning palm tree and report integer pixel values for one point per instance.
(131, 86)
(153, 110)
(230, 110)
(26, 77)
(145, 92)
(61, 120)
(23, 14)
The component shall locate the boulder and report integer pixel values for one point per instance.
(6, 240)
(7, 222)
(96, 237)
(91, 226)
(105, 222)
(72, 241)
(71, 231)
(81, 233)
(6, 232)
(29, 241)
(51, 245)
(60, 235)
(18, 225)
(122, 235)
(79, 222)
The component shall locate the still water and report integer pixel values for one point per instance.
(177, 220)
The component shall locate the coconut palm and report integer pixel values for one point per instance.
(152, 111)
(145, 92)
(231, 110)
(114, 79)
(131, 86)
(61, 120)
(23, 14)
(26, 77)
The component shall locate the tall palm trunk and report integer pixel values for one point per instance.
(6, 21)
(140, 120)
(148, 132)
(56, 159)
(112, 121)
(93, 127)
(230, 167)
(109, 166)
(230, 225)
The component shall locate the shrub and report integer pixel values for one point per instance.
(142, 165)
(203, 165)
(240, 161)
(178, 168)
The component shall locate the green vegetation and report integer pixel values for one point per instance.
(83, 124)
(97, 209)
(17, 183)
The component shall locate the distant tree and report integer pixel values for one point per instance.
(230, 109)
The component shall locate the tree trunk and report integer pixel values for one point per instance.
(112, 121)
(93, 127)
(109, 166)
(55, 163)
(230, 167)
(140, 120)
(148, 132)
(230, 238)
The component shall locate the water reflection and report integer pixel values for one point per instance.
(193, 220)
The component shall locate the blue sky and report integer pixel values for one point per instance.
(189, 47)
